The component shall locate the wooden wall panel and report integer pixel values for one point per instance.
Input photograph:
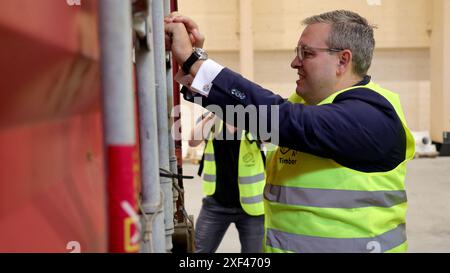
(277, 24)
(218, 20)
(401, 61)
(440, 72)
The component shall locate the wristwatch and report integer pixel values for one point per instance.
(197, 54)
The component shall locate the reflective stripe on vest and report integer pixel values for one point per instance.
(209, 178)
(208, 157)
(251, 174)
(327, 198)
(309, 244)
(252, 179)
(313, 204)
(252, 200)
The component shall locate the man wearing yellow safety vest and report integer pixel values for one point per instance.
(336, 182)
(233, 182)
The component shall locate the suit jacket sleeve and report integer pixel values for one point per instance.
(351, 129)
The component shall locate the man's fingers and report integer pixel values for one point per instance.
(177, 17)
(168, 41)
(192, 38)
(188, 22)
(178, 40)
(199, 39)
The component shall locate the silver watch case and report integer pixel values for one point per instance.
(200, 52)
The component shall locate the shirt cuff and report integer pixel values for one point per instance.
(207, 72)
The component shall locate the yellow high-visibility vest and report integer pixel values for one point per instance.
(251, 173)
(314, 204)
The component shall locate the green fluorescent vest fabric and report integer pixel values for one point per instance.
(313, 204)
(251, 174)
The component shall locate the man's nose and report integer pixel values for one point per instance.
(296, 62)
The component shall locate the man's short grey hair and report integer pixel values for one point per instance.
(350, 31)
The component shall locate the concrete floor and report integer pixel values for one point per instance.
(428, 216)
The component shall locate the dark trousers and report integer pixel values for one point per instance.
(214, 220)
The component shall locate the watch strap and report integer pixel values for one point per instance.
(186, 67)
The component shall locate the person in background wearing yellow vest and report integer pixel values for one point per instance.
(233, 182)
(336, 181)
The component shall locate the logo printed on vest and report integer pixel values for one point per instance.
(288, 160)
(249, 159)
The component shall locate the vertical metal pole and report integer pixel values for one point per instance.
(176, 102)
(151, 190)
(178, 142)
(170, 105)
(119, 122)
(163, 127)
(183, 238)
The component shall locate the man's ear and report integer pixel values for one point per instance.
(345, 60)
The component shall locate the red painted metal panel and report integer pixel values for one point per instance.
(52, 188)
(52, 184)
(49, 60)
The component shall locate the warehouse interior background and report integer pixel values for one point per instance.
(72, 170)
(412, 57)
(257, 39)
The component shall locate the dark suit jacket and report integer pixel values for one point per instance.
(359, 130)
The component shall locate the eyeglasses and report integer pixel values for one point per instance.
(305, 52)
